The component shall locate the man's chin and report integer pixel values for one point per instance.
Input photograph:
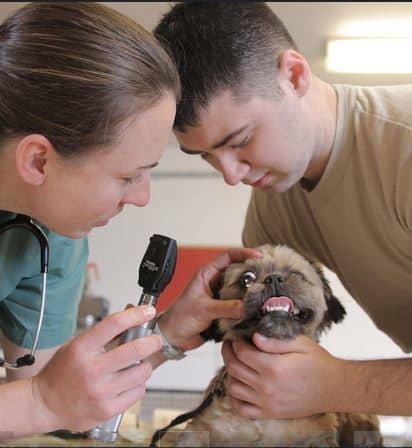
(284, 184)
(280, 187)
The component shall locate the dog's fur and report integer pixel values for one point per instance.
(281, 272)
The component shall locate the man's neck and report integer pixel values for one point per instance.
(324, 102)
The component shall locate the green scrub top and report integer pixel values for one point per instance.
(21, 285)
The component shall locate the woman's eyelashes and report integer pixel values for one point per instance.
(133, 179)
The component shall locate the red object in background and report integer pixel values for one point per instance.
(189, 260)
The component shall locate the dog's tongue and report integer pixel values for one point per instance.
(278, 304)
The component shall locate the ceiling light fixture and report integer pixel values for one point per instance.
(369, 55)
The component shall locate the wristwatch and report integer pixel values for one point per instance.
(168, 350)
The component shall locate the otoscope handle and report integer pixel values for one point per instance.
(107, 431)
(137, 332)
(155, 272)
(140, 331)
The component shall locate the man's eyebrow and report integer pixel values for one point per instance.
(220, 143)
(229, 137)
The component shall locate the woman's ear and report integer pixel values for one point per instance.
(294, 69)
(31, 155)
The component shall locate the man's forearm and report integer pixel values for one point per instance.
(379, 386)
(20, 415)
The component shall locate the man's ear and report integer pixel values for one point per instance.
(31, 155)
(294, 69)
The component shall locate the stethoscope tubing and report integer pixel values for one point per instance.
(25, 222)
(41, 314)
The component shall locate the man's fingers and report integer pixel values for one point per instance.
(277, 346)
(235, 255)
(221, 262)
(241, 391)
(226, 309)
(236, 368)
(102, 333)
(127, 354)
(246, 410)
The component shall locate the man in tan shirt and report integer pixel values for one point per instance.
(329, 166)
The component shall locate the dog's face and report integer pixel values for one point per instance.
(284, 295)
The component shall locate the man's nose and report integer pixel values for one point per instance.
(232, 169)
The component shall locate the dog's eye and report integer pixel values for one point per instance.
(247, 279)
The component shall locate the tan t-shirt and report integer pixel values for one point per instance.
(358, 219)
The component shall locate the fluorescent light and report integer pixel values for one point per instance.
(369, 55)
(376, 27)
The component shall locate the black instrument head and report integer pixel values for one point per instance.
(158, 264)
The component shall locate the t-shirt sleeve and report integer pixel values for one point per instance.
(404, 193)
(19, 309)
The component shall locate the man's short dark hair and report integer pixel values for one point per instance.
(221, 45)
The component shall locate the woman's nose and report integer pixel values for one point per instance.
(138, 194)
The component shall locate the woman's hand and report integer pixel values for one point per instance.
(195, 310)
(83, 385)
(282, 379)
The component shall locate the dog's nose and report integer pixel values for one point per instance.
(273, 280)
(274, 283)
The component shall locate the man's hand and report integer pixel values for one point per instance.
(84, 385)
(195, 310)
(282, 379)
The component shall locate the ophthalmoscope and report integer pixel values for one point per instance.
(155, 272)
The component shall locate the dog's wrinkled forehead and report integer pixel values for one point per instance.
(276, 260)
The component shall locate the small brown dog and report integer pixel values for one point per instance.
(284, 295)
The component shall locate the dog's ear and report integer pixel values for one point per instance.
(335, 311)
(213, 331)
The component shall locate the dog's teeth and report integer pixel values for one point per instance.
(270, 308)
(278, 304)
(296, 311)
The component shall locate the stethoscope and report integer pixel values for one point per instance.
(25, 222)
